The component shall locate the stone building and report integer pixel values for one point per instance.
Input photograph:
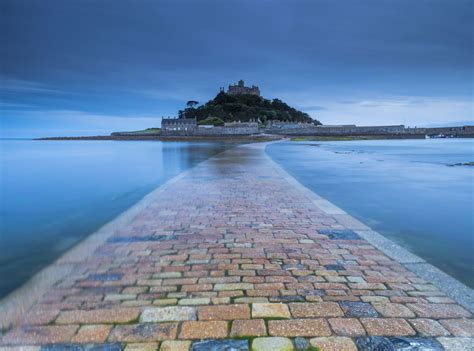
(176, 124)
(240, 88)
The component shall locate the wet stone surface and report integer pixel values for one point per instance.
(83, 347)
(221, 345)
(358, 309)
(295, 298)
(334, 267)
(214, 258)
(291, 267)
(301, 344)
(105, 277)
(340, 234)
(379, 343)
(315, 292)
(144, 238)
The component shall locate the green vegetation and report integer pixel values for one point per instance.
(152, 130)
(244, 108)
(212, 121)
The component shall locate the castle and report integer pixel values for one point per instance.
(240, 88)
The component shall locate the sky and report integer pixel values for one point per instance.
(91, 67)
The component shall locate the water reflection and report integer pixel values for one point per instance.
(402, 188)
(54, 193)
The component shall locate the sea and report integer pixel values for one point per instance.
(53, 194)
(418, 193)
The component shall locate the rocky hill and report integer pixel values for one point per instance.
(244, 108)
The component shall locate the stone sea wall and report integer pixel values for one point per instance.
(250, 128)
(399, 130)
(215, 131)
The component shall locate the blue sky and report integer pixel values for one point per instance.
(95, 66)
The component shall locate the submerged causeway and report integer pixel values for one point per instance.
(234, 254)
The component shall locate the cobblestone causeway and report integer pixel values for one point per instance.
(233, 256)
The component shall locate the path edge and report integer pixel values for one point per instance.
(14, 306)
(452, 287)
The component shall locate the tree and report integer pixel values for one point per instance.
(191, 103)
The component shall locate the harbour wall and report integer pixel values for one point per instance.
(396, 131)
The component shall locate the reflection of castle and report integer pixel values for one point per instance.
(240, 88)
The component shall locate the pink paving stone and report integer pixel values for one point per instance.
(315, 309)
(203, 330)
(347, 326)
(254, 327)
(40, 317)
(459, 327)
(428, 327)
(114, 315)
(299, 327)
(393, 310)
(387, 326)
(333, 344)
(145, 332)
(224, 312)
(92, 333)
(438, 310)
(40, 334)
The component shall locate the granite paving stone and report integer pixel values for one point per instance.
(270, 310)
(175, 345)
(358, 309)
(254, 327)
(92, 333)
(387, 326)
(272, 344)
(40, 334)
(301, 344)
(203, 330)
(393, 310)
(438, 310)
(347, 326)
(143, 332)
(224, 312)
(457, 344)
(168, 314)
(115, 315)
(315, 309)
(237, 249)
(220, 345)
(459, 327)
(299, 327)
(333, 343)
(428, 327)
(149, 346)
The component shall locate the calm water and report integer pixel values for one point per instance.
(404, 189)
(54, 193)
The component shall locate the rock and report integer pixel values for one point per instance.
(220, 345)
(301, 344)
(379, 343)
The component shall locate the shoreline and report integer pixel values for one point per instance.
(225, 138)
(250, 138)
(20, 300)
